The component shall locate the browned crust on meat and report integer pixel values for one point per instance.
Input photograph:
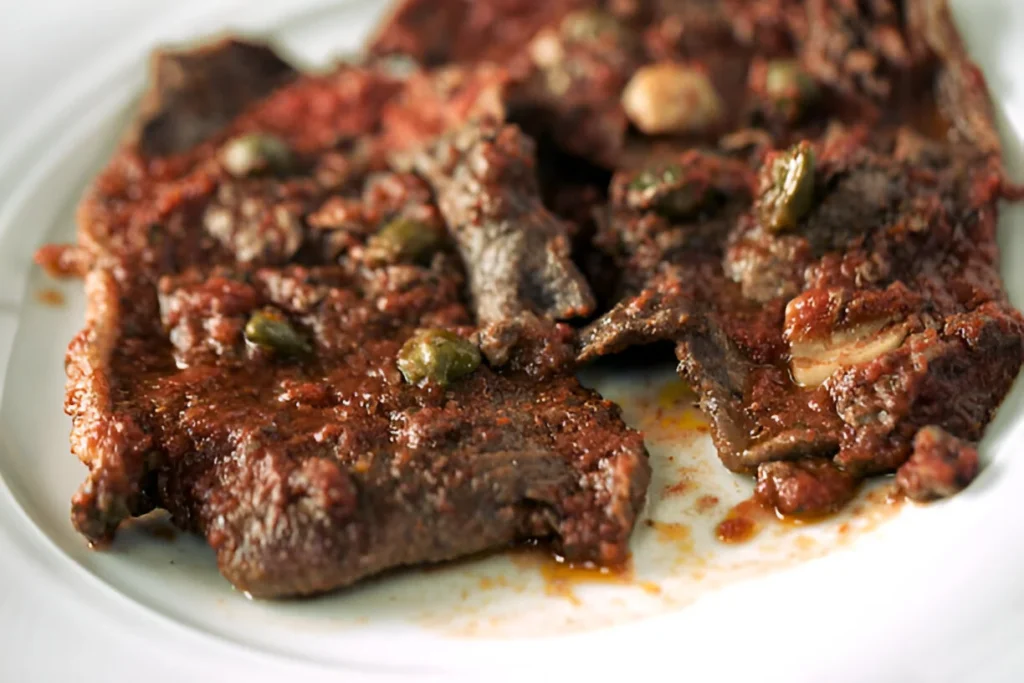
(111, 444)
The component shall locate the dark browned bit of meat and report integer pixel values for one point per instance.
(437, 32)
(659, 313)
(662, 237)
(804, 487)
(859, 48)
(195, 93)
(568, 81)
(679, 209)
(516, 252)
(940, 466)
(954, 378)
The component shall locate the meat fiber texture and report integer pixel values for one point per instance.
(308, 467)
(800, 196)
(820, 350)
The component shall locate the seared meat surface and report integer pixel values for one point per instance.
(308, 472)
(822, 294)
(333, 319)
(259, 306)
(804, 486)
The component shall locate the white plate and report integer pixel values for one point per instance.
(879, 594)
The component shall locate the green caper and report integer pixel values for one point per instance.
(667, 191)
(403, 240)
(788, 188)
(652, 178)
(790, 88)
(256, 153)
(437, 355)
(269, 329)
(398, 65)
(591, 24)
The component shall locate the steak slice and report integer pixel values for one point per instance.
(338, 126)
(879, 311)
(822, 336)
(249, 298)
(516, 252)
(308, 473)
(757, 414)
(195, 92)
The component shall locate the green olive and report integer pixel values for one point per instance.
(269, 329)
(788, 188)
(438, 356)
(790, 88)
(403, 240)
(256, 153)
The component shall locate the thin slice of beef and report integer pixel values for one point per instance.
(336, 127)
(756, 413)
(307, 473)
(940, 466)
(516, 252)
(835, 337)
(661, 312)
(240, 361)
(195, 93)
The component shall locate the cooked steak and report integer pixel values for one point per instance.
(308, 469)
(329, 319)
(278, 351)
(848, 297)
